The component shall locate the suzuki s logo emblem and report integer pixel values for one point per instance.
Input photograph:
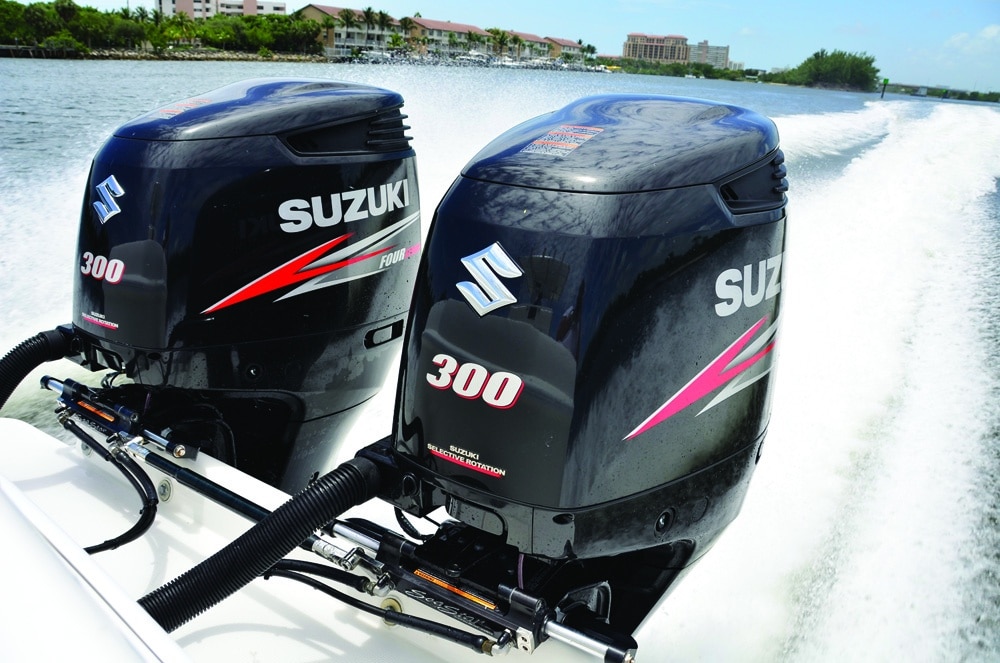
(488, 293)
(108, 190)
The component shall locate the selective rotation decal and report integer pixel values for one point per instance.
(322, 266)
(467, 459)
(731, 370)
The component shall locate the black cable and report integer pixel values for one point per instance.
(474, 641)
(139, 480)
(355, 582)
(409, 528)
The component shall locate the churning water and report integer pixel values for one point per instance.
(871, 530)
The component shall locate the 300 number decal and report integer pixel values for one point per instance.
(101, 268)
(472, 381)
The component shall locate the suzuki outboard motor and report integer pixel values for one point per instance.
(246, 258)
(587, 372)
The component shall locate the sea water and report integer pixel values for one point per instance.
(870, 532)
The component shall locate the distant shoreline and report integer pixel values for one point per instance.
(214, 55)
(28, 52)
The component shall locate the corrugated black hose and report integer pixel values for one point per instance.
(29, 355)
(258, 549)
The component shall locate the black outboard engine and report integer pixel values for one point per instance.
(246, 258)
(587, 372)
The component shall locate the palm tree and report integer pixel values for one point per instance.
(329, 24)
(516, 42)
(499, 38)
(473, 39)
(384, 23)
(396, 42)
(349, 20)
(181, 27)
(370, 19)
(407, 25)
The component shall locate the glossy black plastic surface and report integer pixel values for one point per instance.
(640, 329)
(259, 239)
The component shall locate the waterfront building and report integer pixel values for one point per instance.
(717, 56)
(210, 8)
(447, 38)
(656, 48)
(339, 40)
(561, 47)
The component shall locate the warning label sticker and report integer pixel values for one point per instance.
(560, 142)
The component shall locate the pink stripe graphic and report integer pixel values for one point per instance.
(708, 380)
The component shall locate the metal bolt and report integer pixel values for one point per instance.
(164, 490)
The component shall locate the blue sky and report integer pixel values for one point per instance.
(953, 43)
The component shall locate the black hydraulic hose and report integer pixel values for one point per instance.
(256, 550)
(135, 475)
(29, 355)
(355, 582)
(478, 643)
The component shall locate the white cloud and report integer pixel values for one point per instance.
(981, 43)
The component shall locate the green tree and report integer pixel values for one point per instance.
(384, 21)
(370, 18)
(66, 9)
(13, 29)
(91, 27)
(219, 31)
(41, 21)
(179, 27)
(396, 42)
(856, 71)
(407, 25)
(499, 38)
(516, 43)
(474, 39)
(350, 21)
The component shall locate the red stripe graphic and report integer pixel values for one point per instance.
(294, 271)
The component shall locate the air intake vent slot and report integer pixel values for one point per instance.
(759, 188)
(384, 132)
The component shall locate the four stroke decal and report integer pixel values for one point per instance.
(322, 266)
(730, 370)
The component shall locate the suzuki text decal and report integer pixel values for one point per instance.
(735, 287)
(300, 214)
(731, 368)
(488, 293)
(320, 269)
